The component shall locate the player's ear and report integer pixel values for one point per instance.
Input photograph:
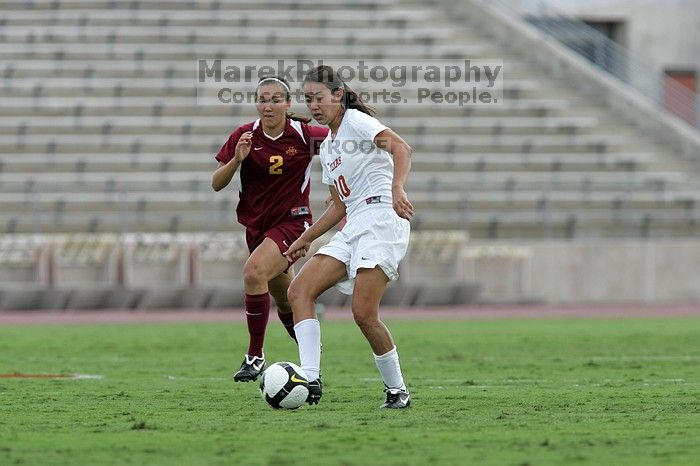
(338, 94)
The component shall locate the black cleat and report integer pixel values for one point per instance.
(250, 369)
(396, 399)
(315, 391)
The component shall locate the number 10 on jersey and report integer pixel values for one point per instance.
(342, 186)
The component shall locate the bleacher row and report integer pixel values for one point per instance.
(84, 271)
(100, 130)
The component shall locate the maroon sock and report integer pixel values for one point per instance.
(257, 311)
(287, 319)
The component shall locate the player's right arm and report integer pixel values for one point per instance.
(224, 173)
(335, 211)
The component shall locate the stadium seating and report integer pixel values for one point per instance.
(144, 270)
(159, 267)
(87, 268)
(510, 264)
(25, 274)
(432, 272)
(100, 132)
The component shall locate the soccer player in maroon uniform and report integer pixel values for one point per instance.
(274, 156)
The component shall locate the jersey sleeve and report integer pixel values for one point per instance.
(325, 170)
(326, 175)
(366, 126)
(227, 151)
(316, 136)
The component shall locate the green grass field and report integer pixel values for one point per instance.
(516, 392)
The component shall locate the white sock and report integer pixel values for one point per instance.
(308, 333)
(389, 367)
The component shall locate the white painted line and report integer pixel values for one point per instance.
(87, 377)
(680, 357)
(174, 377)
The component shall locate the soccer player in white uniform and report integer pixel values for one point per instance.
(366, 166)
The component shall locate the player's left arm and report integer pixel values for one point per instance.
(401, 152)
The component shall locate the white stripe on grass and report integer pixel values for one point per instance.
(490, 383)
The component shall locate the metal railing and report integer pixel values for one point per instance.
(667, 94)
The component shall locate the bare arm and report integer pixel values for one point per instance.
(401, 152)
(334, 213)
(224, 173)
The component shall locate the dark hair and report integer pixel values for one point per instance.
(325, 75)
(287, 93)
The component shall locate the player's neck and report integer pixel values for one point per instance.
(334, 124)
(274, 132)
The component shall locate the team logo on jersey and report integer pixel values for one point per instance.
(336, 163)
(291, 151)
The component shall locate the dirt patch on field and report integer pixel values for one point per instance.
(18, 375)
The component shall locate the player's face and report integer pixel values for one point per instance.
(323, 104)
(272, 104)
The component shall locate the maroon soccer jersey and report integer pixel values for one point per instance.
(275, 177)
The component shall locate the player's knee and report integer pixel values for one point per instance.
(296, 293)
(253, 274)
(364, 318)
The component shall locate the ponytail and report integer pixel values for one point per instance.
(352, 99)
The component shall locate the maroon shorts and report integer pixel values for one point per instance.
(283, 234)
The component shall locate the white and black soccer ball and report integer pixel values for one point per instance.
(284, 385)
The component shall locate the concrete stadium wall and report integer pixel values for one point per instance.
(566, 272)
(562, 62)
(440, 268)
(658, 32)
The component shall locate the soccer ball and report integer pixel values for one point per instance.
(284, 385)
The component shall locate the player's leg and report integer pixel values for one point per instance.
(278, 289)
(369, 289)
(316, 276)
(264, 263)
(284, 235)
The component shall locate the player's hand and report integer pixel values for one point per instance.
(243, 146)
(299, 248)
(402, 206)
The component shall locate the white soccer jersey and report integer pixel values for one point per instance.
(360, 171)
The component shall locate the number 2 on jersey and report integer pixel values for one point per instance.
(342, 186)
(276, 161)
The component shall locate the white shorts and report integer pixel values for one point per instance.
(375, 237)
